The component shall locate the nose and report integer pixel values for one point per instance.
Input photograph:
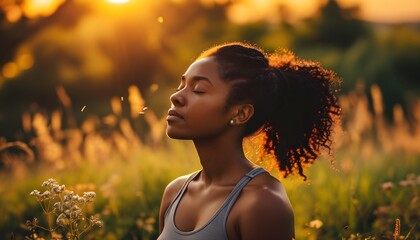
(177, 99)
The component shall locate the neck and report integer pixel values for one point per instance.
(222, 161)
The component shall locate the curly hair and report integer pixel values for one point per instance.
(294, 101)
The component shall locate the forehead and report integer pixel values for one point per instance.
(204, 67)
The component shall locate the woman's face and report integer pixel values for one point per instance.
(198, 107)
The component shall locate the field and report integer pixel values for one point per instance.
(368, 189)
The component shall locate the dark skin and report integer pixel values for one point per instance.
(263, 210)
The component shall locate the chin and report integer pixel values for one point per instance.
(178, 137)
(175, 135)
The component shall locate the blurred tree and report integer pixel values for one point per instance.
(15, 31)
(388, 58)
(97, 54)
(334, 26)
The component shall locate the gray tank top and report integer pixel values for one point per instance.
(215, 228)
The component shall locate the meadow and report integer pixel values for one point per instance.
(369, 188)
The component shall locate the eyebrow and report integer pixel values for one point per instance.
(197, 78)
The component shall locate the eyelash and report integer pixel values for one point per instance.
(194, 91)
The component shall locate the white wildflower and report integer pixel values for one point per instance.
(57, 206)
(34, 193)
(89, 196)
(62, 219)
(49, 182)
(315, 224)
(387, 186)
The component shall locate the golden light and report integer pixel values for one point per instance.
(154, 87)
(10, 70)
(13, 13)
(118, 8)
(247, 11)
(40, 8)
(118, 1)
(390, 11)
(25, 61)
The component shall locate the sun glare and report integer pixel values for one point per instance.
(118, 1)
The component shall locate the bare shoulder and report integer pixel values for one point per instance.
(169, 194)
(269, 214)
(174, 186)
(172, 189)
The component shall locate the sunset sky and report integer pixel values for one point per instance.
(388, 11)
(244, 11)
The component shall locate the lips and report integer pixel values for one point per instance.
(174, 115)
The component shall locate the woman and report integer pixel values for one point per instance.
(230, 92)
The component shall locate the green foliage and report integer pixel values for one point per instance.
(129, 194)
(128, 191)
(353, 202)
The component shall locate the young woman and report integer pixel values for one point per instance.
(230, 92)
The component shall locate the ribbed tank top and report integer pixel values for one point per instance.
(215, 228)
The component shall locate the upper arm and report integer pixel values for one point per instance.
(168, 195)
(268, 216)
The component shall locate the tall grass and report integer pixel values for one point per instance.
(126, 159)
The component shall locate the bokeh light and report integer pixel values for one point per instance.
(10, 70)
(25, 61)
(13, 13)
(40, 8)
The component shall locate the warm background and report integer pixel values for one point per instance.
(85, 85)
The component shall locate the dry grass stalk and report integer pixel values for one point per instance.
(48, 149)
(116, 106)
(63, 96)
(26, 122)
(397, 229)
(157, 127)
(136, 100)
(129, 133)
(362, 126)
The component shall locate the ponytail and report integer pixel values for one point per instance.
(294, 101)
(301, 122)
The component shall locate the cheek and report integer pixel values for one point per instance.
(203, 120)
(209, 113)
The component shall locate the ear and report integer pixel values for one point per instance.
(242, 113)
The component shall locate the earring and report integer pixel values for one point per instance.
(231, 122)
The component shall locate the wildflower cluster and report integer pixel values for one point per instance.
(411, 180)
(69, 211)
(406, 210)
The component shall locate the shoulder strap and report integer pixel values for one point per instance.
(238, 188)
(254, 172)
(182, 190)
